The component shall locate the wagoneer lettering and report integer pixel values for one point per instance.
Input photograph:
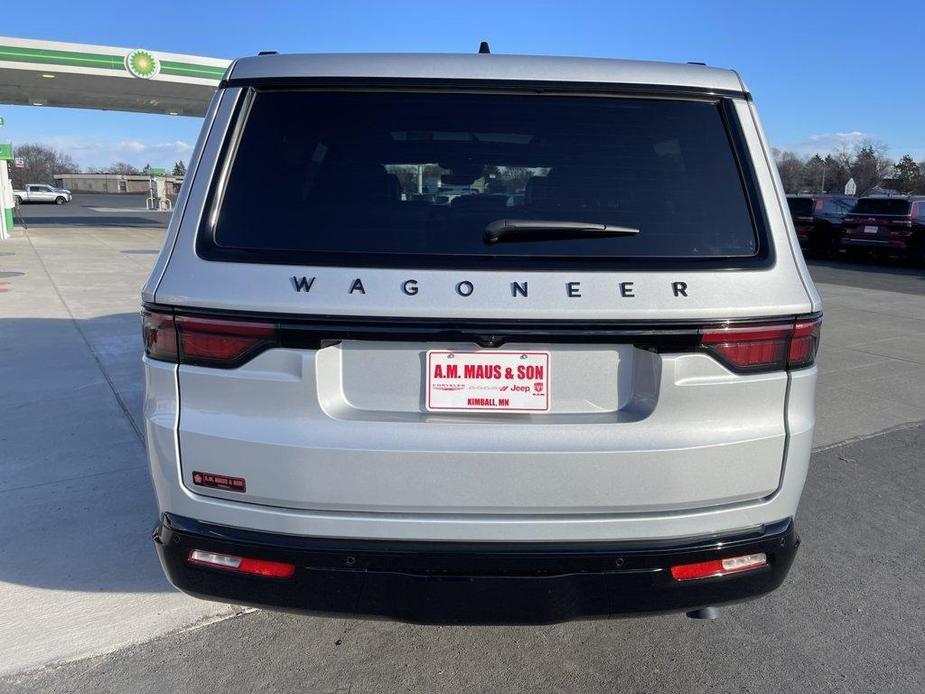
(548, 342)
(465, 288)
(303, 284)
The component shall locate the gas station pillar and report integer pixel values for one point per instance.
(6, 192)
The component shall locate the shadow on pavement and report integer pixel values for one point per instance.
(76, 502)
(99, 220)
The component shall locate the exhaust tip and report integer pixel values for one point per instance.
(709, 613)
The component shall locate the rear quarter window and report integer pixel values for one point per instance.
(800, 207)
(413, 178)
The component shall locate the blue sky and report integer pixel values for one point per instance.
(823, 73)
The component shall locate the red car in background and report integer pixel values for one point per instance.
(818, 219)
(887, 225)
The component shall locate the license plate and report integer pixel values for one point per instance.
(871, 230)
(488, 381)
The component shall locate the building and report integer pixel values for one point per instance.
(114, 183)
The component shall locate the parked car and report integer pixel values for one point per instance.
(601, 405)
(818, 219)
(887, 225)
(40, 192)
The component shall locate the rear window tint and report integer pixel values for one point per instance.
(412, 178)
(839, 206)
(801, 207)
(882, 206)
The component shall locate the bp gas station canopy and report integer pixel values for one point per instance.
(74, 75)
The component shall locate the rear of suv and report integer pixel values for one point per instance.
(819, 221)
(887, 226)
(582, 386)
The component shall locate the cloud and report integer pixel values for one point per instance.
(91, 152)
(826, 143)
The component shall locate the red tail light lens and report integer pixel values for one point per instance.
(767, 347)
(215, 342)
(205, 341)
(159, 334)
(803, 343)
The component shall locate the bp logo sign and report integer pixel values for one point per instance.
(143, 64)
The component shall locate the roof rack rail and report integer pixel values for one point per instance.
(268, 53)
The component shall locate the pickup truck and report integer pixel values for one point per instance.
(40, 192)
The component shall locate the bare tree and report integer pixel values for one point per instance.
(867, 163)
(908, 176)
(41, 164)
(121, 167)
(790, 167)
(814, 174)
(870, 165)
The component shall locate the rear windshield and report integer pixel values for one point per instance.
(801, 207)
(331, 176)
(882, 206)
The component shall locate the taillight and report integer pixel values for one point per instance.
(804, 341)
(765, 347)
(243, 565)
(217, 342)
(159, 334)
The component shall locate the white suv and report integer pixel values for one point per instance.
(583, 388)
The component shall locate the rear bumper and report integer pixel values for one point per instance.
(475, 583)
(875, 243)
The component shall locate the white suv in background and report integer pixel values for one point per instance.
(585, 388)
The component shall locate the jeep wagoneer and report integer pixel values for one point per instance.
(479, 338)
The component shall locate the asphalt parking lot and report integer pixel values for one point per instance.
(94, 210)
(84, 607)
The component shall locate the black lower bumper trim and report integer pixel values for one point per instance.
(472, 583)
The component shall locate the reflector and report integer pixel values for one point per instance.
(718, 567)
(230, 562)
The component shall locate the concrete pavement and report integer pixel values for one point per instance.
(848, 619)
(78, 577)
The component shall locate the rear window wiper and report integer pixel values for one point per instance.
(550, 230)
